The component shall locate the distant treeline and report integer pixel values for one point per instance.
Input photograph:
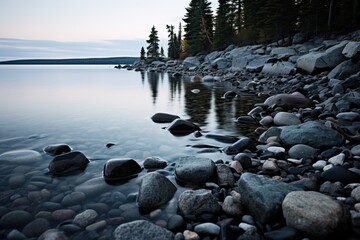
(84, 61)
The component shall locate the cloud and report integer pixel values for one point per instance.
(12, 49)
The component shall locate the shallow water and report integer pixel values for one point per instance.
(88, 107)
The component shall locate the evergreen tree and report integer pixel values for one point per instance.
(162, 54)
(142, 53)
(198, 26)
(224, 22)
(174, 42)
(153, 41)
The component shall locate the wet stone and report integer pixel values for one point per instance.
(176, 223)
(73, 198)
(36, 227)
(57, 149)
(15, 219)
(21, 157)
(96, 226)
(154, 162)
(207, 228)
(180, 127)
(68, 164)
(341, 174)
(197, 202)
(302, 151)
(244, 159)
(63, 214)
(224, 175)
(195, 170)
(16, 181)
(15, 235)
(85, 218)
(53, 234)
(120, 169)
(163, 117)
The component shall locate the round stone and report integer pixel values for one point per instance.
(302, 151)
(154, 162)
(15, 219)
(63, 214)
(17, 180)
(36, 227)
(232, 207)
(96, 226)
(286, 119)
(319, 165)
(21, 157)
(73, 198)
(276, 150)
(244, 159)
(195, 170)
(85, 218)
(197, 202)
(207, 228)
(120, 169)
(338, 159)
(355, 193)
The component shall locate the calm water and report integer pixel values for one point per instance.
(90, 106)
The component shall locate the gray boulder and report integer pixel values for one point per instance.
(322, 60)
(314, 213)
(289, 101)
(195, 170)
(220, 63)
(313, 134)
(299, 37)
(279, 68)
(263, 196)
(212, 56)
(191, 62)
(257, 64)
(282, 52)
(344, 70)
(286, 119)
(198, 202)
(271, 132)
(240, 62)
(141, 229)
(155, 190)
(180, 127)
(352, 50)
(302, 151)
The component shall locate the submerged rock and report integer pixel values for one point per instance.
(21, 157)
(68, 164)
(195, 170)
(163, 117)
(57, 149)
(120, 169)
(180, 127)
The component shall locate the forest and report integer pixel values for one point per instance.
(243, 22)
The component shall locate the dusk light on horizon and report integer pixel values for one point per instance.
(84, 28)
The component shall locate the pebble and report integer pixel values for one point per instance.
(247, 227)
(276, 150)
(176, 223)
(237, 166)
(53, 234)
(73, 198)
(15, 235)
(244, 159)
(319, 165)
(207, 228)
(270, 166)
(16, 181)
(63, 214)
(190, 235)
(231, 206)
(286, 119)
(338, 159)
(96, 226)
(21, 157)
(85, 218)
(36, 227)
(15, 219)
(355, 193)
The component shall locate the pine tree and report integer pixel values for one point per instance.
(198, 26)
(162, 54)
(142, 53)
(224, 30)
(153, 41)
(174, 42)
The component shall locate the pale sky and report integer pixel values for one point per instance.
(84, 28)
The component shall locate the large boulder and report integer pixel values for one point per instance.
(212, 56)
(282, 52)
(286, 119)
(239, 63)
(257, 64)
(352, 50)
(141, 229)
(191, 62)
(289, 101)
(68, 164)
(313, 213)
(263, 196)
(345, 69)
(279, 68)
(313, 134)
(195, 170)
(220, 63)
(322, 60)
(155, 190)
(198, 202)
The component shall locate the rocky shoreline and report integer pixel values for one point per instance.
(299, 180)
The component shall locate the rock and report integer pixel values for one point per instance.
(355, 193)
(289, 101)
(176, 223)
(279, 68)
(352, 50)
(330, 188)
(15, 219)
(341, 174)
(180, 127)
(85, 218)
(319, 165)
(190, 235)
(344, 70)
(57, 149)
(246, 120)
(96, 226)
(239, 146)
(285, 233)
(212, 56)
(191, 62)
(240, 62)
(154, 162)
(299, 37)
(236, 166)
(120, 169)
(16, 180)
(141, 229)
(36, 227)
(68, 164)
(195, 170)
(328, 59)
(93, 187)
(220, 63)
(244, 159)
(338, 159)
(257, 64)
(197, 202)
(21, 157)
(208, 229)
(300, 151)
(53, 234)
(348, 116)
(232, 207)
(62, 214)
(229, 95)
(271, 132)
(263, 196)
(355, 150)
(282, 52)
(155, 190)
(222, 138)
(313, 134)
(73, 198)
(15, 235)
(224, 175)
(276, 150)
(247, 227)
(286, 119)
(163, 118)
(313, 213)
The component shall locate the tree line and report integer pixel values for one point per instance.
(242, 22)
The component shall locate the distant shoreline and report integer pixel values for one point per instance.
(73, 61)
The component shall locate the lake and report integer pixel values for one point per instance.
(88, 107)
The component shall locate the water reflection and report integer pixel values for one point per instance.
(153, 79)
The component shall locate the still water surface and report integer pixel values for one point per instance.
(90, 106)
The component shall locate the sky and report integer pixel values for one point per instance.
(84, 28)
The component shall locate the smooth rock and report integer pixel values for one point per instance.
(85, 218)
(356, 150)
(232, 207)
(300, 151)
(289, 101)
(344, 70)
(284, 233)
(63, 214)
(313, 213)
(155, 190)
(244, 159)
(355, 193)
(207, 228)
(197, 202)
(68, 164)
(247, 227)
(21, 157)
(263, 196)
(163, 117)
(276, 150)
(341, 174)
(313, 134)
(73, 198)
(141, 229)
(36, 227)
(15, 219)
(224, 175)
(190, 235)
(57, 149)
(17, 180)
(279, 68)
(15, 235)
(349, 116)
(238, 146)
(96, 226)
(286, 119)
(352, 50)
(93, 187)
(319, 165)
(154, 162)
(338, 159)
(176, 223)
(180, 127)
(237, 166)
(53, 234)
(270, 167)
(120, 169)
(195, 170)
